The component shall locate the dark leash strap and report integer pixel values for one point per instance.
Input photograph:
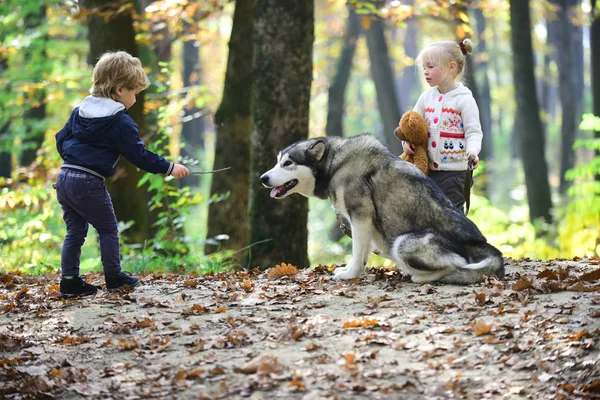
(468, 183)
(209, 172)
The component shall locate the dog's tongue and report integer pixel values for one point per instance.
(274, 192)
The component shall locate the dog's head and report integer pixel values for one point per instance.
(295, 169)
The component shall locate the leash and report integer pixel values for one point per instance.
(468, 183)
(209, 172)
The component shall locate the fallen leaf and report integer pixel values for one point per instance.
(481, 328)
(282, 270)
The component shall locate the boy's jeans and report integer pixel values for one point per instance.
(85, 200)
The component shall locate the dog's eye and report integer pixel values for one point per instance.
(287, 163)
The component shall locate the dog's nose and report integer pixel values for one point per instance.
(264, 179)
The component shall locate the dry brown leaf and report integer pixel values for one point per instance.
(195, 309)
(281, 270)
(145, 323)
(522, 284)
(247, 285)
(363, 323)
(480, 298)
(548, 274)
(481, 328)
(590, 276)
(576, 337)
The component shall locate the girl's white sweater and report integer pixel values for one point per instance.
(453, 127)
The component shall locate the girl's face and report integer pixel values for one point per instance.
(126, 96)
(433, 74)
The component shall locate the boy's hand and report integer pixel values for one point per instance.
(179, 171)
(475, 159)
(408, 147)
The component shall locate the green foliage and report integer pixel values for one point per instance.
(580, 226)
(31, 220)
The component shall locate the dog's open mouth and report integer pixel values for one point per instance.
(283, 189)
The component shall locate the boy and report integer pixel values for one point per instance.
(91, 143)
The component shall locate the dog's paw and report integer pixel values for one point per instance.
(347, 273)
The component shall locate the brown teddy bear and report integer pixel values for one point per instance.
(413, 128)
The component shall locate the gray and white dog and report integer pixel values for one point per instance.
(393, 208)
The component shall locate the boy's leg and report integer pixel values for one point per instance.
(104, 221)
(77, 230)
(99, 212)
(68, 190)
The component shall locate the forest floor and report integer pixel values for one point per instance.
(533, 334)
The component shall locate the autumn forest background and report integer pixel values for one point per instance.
(233, 82)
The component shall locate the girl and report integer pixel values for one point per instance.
(452, 118)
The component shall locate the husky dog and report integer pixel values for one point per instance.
(393, 209)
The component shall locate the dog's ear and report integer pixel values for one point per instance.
(317, 150)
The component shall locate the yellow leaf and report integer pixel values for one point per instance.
(463, 16)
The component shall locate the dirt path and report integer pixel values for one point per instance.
(239, 335)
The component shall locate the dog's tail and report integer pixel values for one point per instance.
(485, 260)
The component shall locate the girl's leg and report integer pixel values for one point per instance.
(452, 184)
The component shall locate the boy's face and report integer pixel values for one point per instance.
(126, 96)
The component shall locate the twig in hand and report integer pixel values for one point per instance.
(209, 172)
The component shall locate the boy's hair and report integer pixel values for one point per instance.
(117, 69)
(441, 54)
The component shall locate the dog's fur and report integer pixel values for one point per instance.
(393, 208)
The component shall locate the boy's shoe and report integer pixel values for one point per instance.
(76, 287)
(120, 281)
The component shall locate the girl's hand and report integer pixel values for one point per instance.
(475, 159)
(408, 147)
(179, 171)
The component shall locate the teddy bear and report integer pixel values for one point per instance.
(413, 128)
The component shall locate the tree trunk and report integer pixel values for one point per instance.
(595, 63)
(192, 127)
(560, 32)
(337, 89)
(6, 140)
(130, 202)
(233, 121)
(284, 35)
(383, 77)
(36, 113)
(528, 125)
(409, 82)
(485, 100)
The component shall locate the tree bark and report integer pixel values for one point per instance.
(595, 63)
(233, 121)
(337, 89)
(36, 113)
(5, 139)
(567, 82)
(284, 35)
(409, 82)
(528, 125)
(130, 202)
(192, 127)
(485, 100)
(383, 78)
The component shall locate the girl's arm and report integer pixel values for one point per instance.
(472, 127)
